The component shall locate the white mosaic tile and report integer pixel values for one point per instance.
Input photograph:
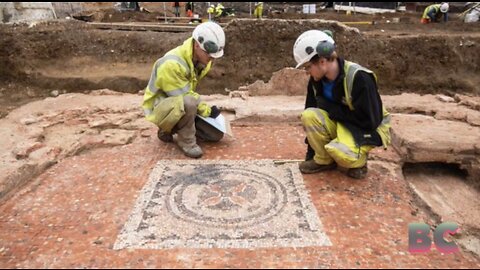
(223, 204)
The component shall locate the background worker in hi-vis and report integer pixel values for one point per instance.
(344, 118)
(258, 12)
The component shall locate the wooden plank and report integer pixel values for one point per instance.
(353, 23)
(174, 18)
(144, 27)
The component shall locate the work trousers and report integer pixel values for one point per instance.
(332, 141)
(188, 129)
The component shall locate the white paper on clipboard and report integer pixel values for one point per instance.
(219, 123)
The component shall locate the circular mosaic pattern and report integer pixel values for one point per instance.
(226, 197)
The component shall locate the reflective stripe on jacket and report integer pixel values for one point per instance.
(432, 9)
(351, 69)
(174, 75)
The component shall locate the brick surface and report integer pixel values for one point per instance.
(71, 215)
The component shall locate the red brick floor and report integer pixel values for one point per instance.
(69, 217)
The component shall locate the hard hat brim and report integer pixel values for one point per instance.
(217, 54)
(299, 65)
(303, 62)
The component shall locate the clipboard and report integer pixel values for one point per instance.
(219, 123)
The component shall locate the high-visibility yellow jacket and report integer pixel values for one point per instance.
(219, 10)
(345, 83)
(350, 69)
(173, 75)
(258, 9)
(211, 10)
(432, 12)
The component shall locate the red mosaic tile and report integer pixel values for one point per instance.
(70, 216)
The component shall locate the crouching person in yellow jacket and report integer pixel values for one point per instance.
(170, 99)
(344, 118)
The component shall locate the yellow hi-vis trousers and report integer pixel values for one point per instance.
(332, 141)
(257, 13)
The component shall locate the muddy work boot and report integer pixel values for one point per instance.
(311, 166)
(164, 136)
(358, 173)
(193, 151)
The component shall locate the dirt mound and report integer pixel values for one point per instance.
(113, 15)
(27, 51)
(256, 49)
(51, 56)
(131, 16)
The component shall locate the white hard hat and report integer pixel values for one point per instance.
(444, 7)
(311, 43)
(211, 38)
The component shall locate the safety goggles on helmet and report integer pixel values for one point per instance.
(210, 47)
(311, 43)
(325, 48)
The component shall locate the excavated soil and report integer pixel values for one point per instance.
(72, 56)
(48, 59)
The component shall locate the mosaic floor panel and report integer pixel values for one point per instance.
(223, 204)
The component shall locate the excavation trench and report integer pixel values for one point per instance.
(78, 58)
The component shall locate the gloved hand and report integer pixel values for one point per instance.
(215, 112)
(323, 103)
